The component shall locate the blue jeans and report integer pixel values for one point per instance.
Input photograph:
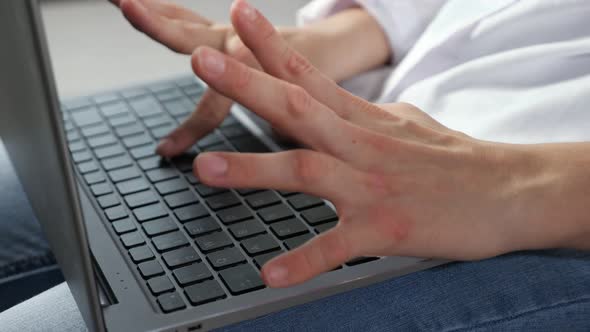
(528, 291)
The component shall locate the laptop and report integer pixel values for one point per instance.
(143, 245)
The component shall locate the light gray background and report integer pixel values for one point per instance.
(93, 48)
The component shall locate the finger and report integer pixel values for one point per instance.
(178, 35)
(287, 107)
(321, 254)
(297, 170)
(279, 59)
(176, 12)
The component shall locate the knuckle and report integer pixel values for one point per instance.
(307, 169)
(298, 100)
(296, 64)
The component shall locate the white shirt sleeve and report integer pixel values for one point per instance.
(403, 21)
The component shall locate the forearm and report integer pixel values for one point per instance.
(343, 45)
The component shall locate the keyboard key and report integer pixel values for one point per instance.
(193, 273)
(129, 130)
(101, 189)
(95, 177)
(241, 279)
(74, 104)
(150, 269)
(140, 199)
(72, 136)
(161, 174)
(275, 213)
(181, 199)
(169, 241)
(159, 226)
(124, 174)
(250, 144)
(234, 131)
(141, 254)
(150, 212)
(225, 258)
(109, 151)
(132, 186)
(191, 212)
(218, 148)
(318, 215)
(146, 106)
(248, 191)
(235, 214)
(303, 201)
(178, 107)
(209, 140)
(263, 199)
(295, 242)
(213, 241)
(114, 109)
(171, 186)
(123, 226)
(152, 162)
(260, 244)
(246, 229)
(285, 193)
(202, 226)
(206, 191)
(86, 117)
(131, 240)
(76, 146)
(260, 260)
(105, 98)
(163, 131)
(82, 156)
(160, 285)
(116, 162)
(160, 87)
(222, 201)
(136, 140)
(185, 161)
(98, 141)
(134, 93)
(288, 228)
(158, 120)
(326, 227)
(116, 213)
(229, 120)
(122, 120)
(361, 260)
(191, 178)
(170, 302)
(108, 201)
(87, 167)
(205, 292)
(143, 151)
(179, 257)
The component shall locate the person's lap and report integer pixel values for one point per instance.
(542, 291)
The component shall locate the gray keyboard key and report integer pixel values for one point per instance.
(132, 239)
(141, 254)
(162, 131)
(82, 156)
(124, 174)
(191, 212)
(87, 116)
(150, 163)
(246, 229)
(116, 213)
(209, 140)
(140, 199)
(101, 189)
(275, 213)
(222, 201)
(108, 201)
(326, 227)
(161, 174)
(213, 241)
(260, 244)
(159, 285)
(122, 120)
(129, 130)
(146, 106)
(205, 292)
(179, 257)
(169, 241)
(157, 121)
(206, 191)
(288, 228)
(87, 167)
(201, 226)
(132, 186)
(123, 226)
(235, 214)
(225, 258)
(116, 162)
(150, 269)
(94, 177)
(260, 260)
(99, 129)
(159, 226)
(114, 109)
(318, 215)
(150, 212)
(295, 242)
(109, 151)
(241, 279)
(171, 186)
(193, 273)
(170, 302)
(98, 141)
(303, 201)
(263, 199)
(181, 199)
(136, 140)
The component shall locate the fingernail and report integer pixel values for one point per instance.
(213, 166)
(247, 12)
(165, 144)
(213, 62)
(277, 275)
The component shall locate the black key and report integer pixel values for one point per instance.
(288, 228)
(161, 174)
(209, 140)
(185, 161)
(150, 269)
(206, 191)
(213, 241)
(182, 256)
(303, 201)
(82, 156)
(249, 191)
(218, 148)
(361, 260)
(204, 292)
(87, 167)
(260, 260)
(150, 212)
(152, 162)
(116, 213)
(326, 227)
(234, 131)
(225, 258)
(123, 226)
(114, 109)
(263, 199)
(109, 151)
(141, 254)
(171, 186)
(157, 121)
(136, 140)
(235, 214)
(181, 199)
(191, 178)
(124, 174)
(170, 302)
(169, 241)
(160, 285)
(101, 189)
(260, 244)
(275, 213)
(318, 215)
(116, 162)
(242, 279)
(193, 273)
(86, 117)
(159, 226)
(191, 212)
(108, 201)
(98, 141)
(295, 242)
(246, 229)
(132, 186)
(122, 120)
(92, 178)
(202, 226)
(222, 201)
(250, 144)
(140, 199)
(146, 106)
(286, 193)
(129, 130)
(143, 151)
(131, 240)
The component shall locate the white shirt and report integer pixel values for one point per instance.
(503, 70)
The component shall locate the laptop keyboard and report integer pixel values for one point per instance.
(192, 244)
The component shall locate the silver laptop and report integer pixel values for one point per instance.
(142, 243)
